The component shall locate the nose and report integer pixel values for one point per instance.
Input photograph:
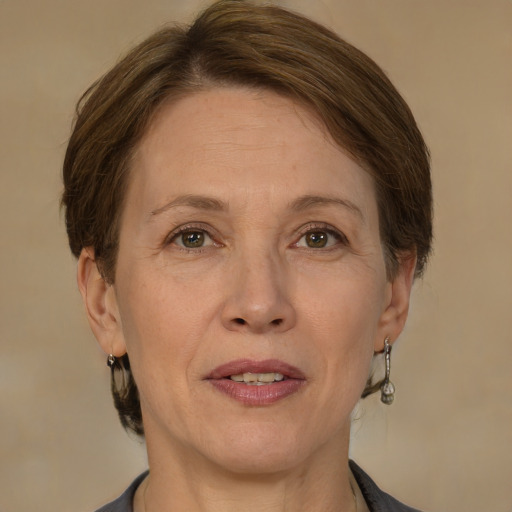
(259, 300)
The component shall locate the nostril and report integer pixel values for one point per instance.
(277, 322)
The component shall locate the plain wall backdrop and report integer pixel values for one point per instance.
(446, 442)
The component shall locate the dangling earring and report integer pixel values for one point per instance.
(111, 360)
(387, 389)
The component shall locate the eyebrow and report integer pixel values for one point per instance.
(209, 203)
(309, 201)
(192, 201)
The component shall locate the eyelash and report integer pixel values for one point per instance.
(200, 228)
(190, 228)
(322, 228)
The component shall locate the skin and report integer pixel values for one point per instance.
(258, 288)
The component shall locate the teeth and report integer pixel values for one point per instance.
(257, 379)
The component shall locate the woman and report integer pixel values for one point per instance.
(249, 200)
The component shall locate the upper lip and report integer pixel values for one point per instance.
(239, 366)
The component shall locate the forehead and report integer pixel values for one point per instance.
(232, 116)
(237, 140)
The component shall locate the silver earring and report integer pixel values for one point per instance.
(111, 360)
(387, 388)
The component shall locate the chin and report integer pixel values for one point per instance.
(262, 449)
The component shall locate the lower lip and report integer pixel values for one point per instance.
(257, 395)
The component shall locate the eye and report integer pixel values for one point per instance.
(320, 238)
(316, 239)
(189, 238)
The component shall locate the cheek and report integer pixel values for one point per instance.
(161, 333)
(343, 319)
(344, 301)
(159, 320)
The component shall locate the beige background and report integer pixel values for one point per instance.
(446, 444)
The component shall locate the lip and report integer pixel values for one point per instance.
(257, 395)
(250, 366)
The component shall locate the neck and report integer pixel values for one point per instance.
(181, 480)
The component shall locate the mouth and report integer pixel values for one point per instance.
(258, 379)
(257, 382)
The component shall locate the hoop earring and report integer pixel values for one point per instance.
(387, 388)
(111, 360)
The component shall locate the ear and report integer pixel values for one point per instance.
(394, 316)
(100, 304)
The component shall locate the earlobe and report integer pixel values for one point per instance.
(395, 315)
(100, 304)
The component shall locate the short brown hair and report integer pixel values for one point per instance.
(235, 42)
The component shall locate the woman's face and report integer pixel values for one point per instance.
(249, 250)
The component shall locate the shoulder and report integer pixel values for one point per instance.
(376, 499)
(125, 502)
